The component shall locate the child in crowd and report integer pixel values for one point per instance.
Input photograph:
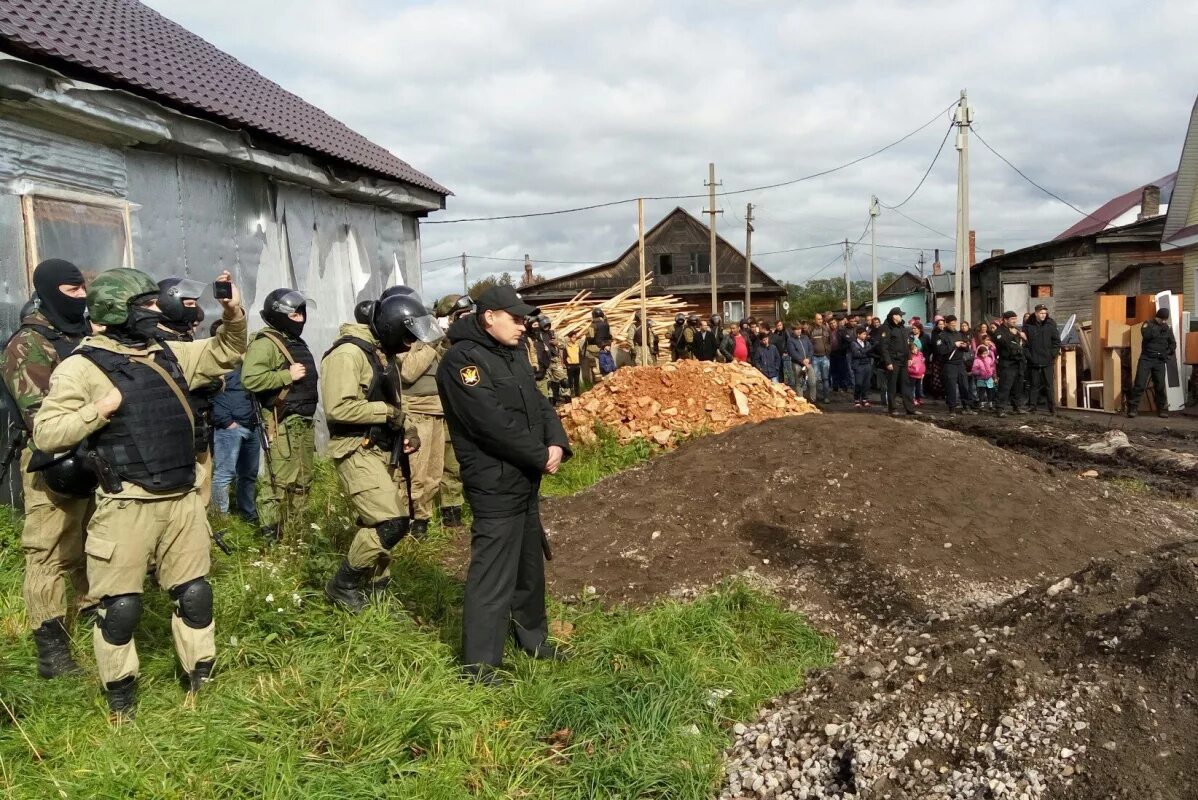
(861, 361)
(607, 362)
(983, 375)
(916, 369)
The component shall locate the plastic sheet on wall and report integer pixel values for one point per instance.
(157, 228)
(14, 291)
(40, 157)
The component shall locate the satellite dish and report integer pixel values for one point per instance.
(1067, 329)
(786, 305)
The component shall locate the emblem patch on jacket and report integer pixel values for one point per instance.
(470, 376)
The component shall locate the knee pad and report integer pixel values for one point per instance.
(193, 602)
(390, 531)
(119, 617)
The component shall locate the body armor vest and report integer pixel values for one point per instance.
(301, 396)
(602, 332)
(150, 440)
(381, 388)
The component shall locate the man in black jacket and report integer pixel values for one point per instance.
(1043, 346)
(952, 346)
(1010, 345)
(1158, 349)
(895, 351)
(704, 346)
(506, 435)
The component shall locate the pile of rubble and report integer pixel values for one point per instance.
(671, 402)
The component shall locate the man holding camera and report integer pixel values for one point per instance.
(125, 393)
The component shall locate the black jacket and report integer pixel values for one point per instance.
(768, 361)
(233, 404)
(947, 350)
(861, 354)
(893, 345)
(1009, 345)
(500, 425)
(1043, 341)
(704, 347)
(1159, 342)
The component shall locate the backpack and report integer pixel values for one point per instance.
(607, 362)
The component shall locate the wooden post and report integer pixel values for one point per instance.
(748, 260)
(1069, 379)
(640, 225)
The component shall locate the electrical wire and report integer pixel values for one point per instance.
(925, 227)
(778, 185)
(1021, 174)
(798, 249)
(926, 173)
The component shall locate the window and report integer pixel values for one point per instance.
(700, 263)
(665, 264)
(91, 232)
(734, 310)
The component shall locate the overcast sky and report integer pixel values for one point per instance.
(544, 104)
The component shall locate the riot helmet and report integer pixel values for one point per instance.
(173, 294)
(400, 321)
(680, 318)
(461, 307)
(545, 323)
(278, 308)
(363, 312)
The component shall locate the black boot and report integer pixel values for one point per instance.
(451, 517)
(269, 534)
(378, 589)
(199, 677)
(418, 530)
(547, 651)
(54, 650)
(122, 697)
(345, 588)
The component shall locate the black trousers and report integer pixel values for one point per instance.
(897, 381)
(1040, 378)
(861, 375)
(505, 585)
(573, 375)
(956, 384)
(1158, 371)
(1011, 377)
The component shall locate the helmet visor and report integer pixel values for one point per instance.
(187, 289)
(424, 329)
(290, 303)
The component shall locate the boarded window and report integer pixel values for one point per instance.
(700, 263)
(665, 264)
(94, 237)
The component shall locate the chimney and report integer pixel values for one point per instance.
(973, 248)
(527, 271)
(996, 253)
(937, 269)
(1150, 202)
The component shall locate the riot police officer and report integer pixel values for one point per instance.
(280, 371)
(367, 437)
(506, 435)
(124, 393)
(52, 536)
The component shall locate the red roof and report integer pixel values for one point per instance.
(124, 44)
(1105, 216)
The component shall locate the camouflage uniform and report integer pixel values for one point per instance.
(53, 534)
(422, 410)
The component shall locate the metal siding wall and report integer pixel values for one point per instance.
(47, 158)
(157, 223)
(14, 291)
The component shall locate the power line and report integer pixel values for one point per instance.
(925, 227)
(798, 249)
(1029, 180)
(927, 172)
(778, 185)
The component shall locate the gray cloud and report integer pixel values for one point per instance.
(522, 107)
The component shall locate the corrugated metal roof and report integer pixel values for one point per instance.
(1108, 215)
(125, 44)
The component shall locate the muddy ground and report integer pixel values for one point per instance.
(936, 558)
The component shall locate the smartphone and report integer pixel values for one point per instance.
(222, 290)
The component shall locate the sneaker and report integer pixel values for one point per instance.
(916, 413)
(1163, 414)
(865, 404)
(856, 404)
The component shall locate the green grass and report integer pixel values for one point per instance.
(310, 702)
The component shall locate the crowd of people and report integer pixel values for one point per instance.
(130, 427)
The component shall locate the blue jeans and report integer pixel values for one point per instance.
(235, 455)
(823, 367)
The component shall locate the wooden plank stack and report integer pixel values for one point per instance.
(575, 313)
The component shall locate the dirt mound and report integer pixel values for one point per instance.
(672, 401)
(1079, 688)
(886, 519)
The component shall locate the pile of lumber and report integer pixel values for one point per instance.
(575, 314)
(667, 403)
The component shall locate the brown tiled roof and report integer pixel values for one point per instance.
(125, 44)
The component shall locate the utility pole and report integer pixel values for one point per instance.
(921, 263)
(748, 259)
(848, 284)
(874, 211)
(465, 276)
(711, 211)
(962, 295)
(640, 227)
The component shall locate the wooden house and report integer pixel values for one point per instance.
(677, 254)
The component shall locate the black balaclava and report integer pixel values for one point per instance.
(68, 314)
(139, 327)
